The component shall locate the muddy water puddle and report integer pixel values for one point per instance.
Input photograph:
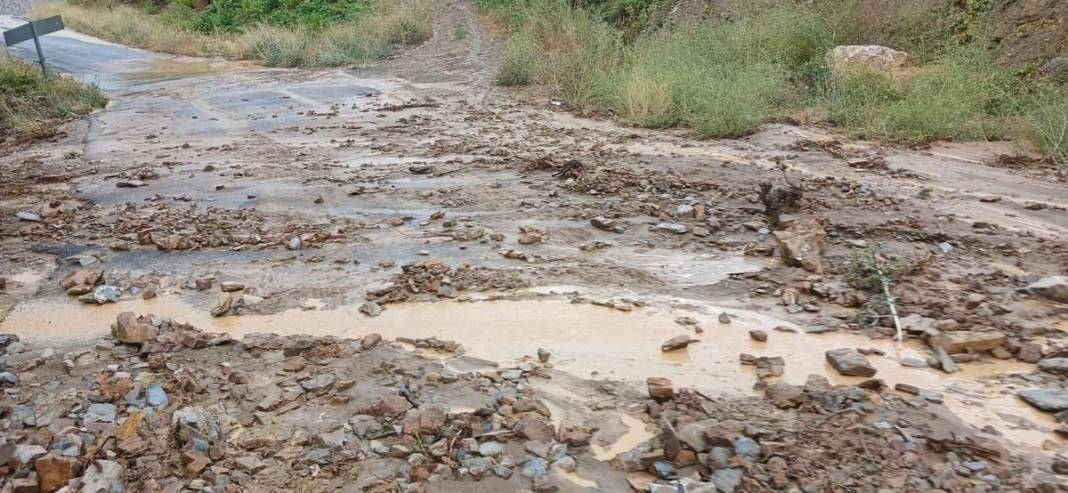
(585, 340)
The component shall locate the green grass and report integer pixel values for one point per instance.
(723, 77)
(31, 106)
(308, 33)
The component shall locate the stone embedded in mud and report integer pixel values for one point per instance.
(758, 335)
(606, 224)
(961, 341)
(660, 389)
(82, 277)
(849, 362)
(1052, 288)
(677, 342)
(784, 395)
(388, 406)
(1049, 399)
(676, 228)
(727, 480)
(370, 341)
(1056, 366)
(803, 246)
(371, 309)
(231, 286)
(131, 329)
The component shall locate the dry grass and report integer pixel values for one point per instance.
(646, 100)
(389, 25)
(32, 106)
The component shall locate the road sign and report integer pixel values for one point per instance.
(34, 30)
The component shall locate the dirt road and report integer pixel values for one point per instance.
(504, 222)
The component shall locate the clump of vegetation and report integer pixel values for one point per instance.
(31, 106)
(723, 76)
(873, 272)
(308, 33)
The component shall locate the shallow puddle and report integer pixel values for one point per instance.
(585, 340)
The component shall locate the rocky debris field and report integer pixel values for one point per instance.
(248, 196)
(163, 406)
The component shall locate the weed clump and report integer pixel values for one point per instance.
(32, 105)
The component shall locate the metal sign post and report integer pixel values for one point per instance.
(34, 30)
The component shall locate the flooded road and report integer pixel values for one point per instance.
(585, 340)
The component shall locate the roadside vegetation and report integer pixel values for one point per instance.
(722, 75)
(307, 33)
(32, 106)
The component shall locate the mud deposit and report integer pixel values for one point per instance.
(403, 278)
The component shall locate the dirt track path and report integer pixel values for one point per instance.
(313, 188)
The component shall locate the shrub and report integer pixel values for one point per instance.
(30, 105)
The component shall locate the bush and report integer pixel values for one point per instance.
(1046, 118)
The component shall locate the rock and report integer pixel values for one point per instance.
(204, 283)
(535, 468)
(102, 294)
(319, 384)
(849, 362)
(193, 463)
(370, 341)
(803, 246)
(16, 348)
(231, 286)
(660, 389)
(1030, 352)
(156, 397)
(874, 58)
(295, 243)
(945, 362)
(131, 329)
(784, 395)
(1048, 399)
(371, 309)
(197, 427)
(727, 480)
(748, 448)
(534, 429)
(677, 342)
(606, 224)
(390, 405)
(1052, 288)
(543, 355)
(100, 412)
(28, 454)
(491, 449)
(28, 216)
(758, 335)
(8, 378)
(103, 476)
(962, 341)
(724, 318)
(693, 435)
(249, 463)
(1056, 366)
(432, 417)
(672, 228)
(82, 277)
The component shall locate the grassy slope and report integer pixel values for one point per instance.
(723, 77)
(306, 40)
(31, 106)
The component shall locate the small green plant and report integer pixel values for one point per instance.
(873, 272)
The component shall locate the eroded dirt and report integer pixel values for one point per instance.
(415, 200)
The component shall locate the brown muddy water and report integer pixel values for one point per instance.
(587, 341)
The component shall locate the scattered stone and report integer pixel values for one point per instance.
(606, 224)
(672, 228)
(849, 362)
(1053, 288)
(1056, 366)
(1030, 352)
(231, 286)
(962, 341)
(676, 343)
(660, 389)
(370, 341)
(803, 246)
(758, 335)
(131, 329)
(371, 309)
(1048, 399)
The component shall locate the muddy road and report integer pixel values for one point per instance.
(413, 199)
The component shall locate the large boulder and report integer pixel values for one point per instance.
(131, 329)
(873, 58)
(803, 245)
